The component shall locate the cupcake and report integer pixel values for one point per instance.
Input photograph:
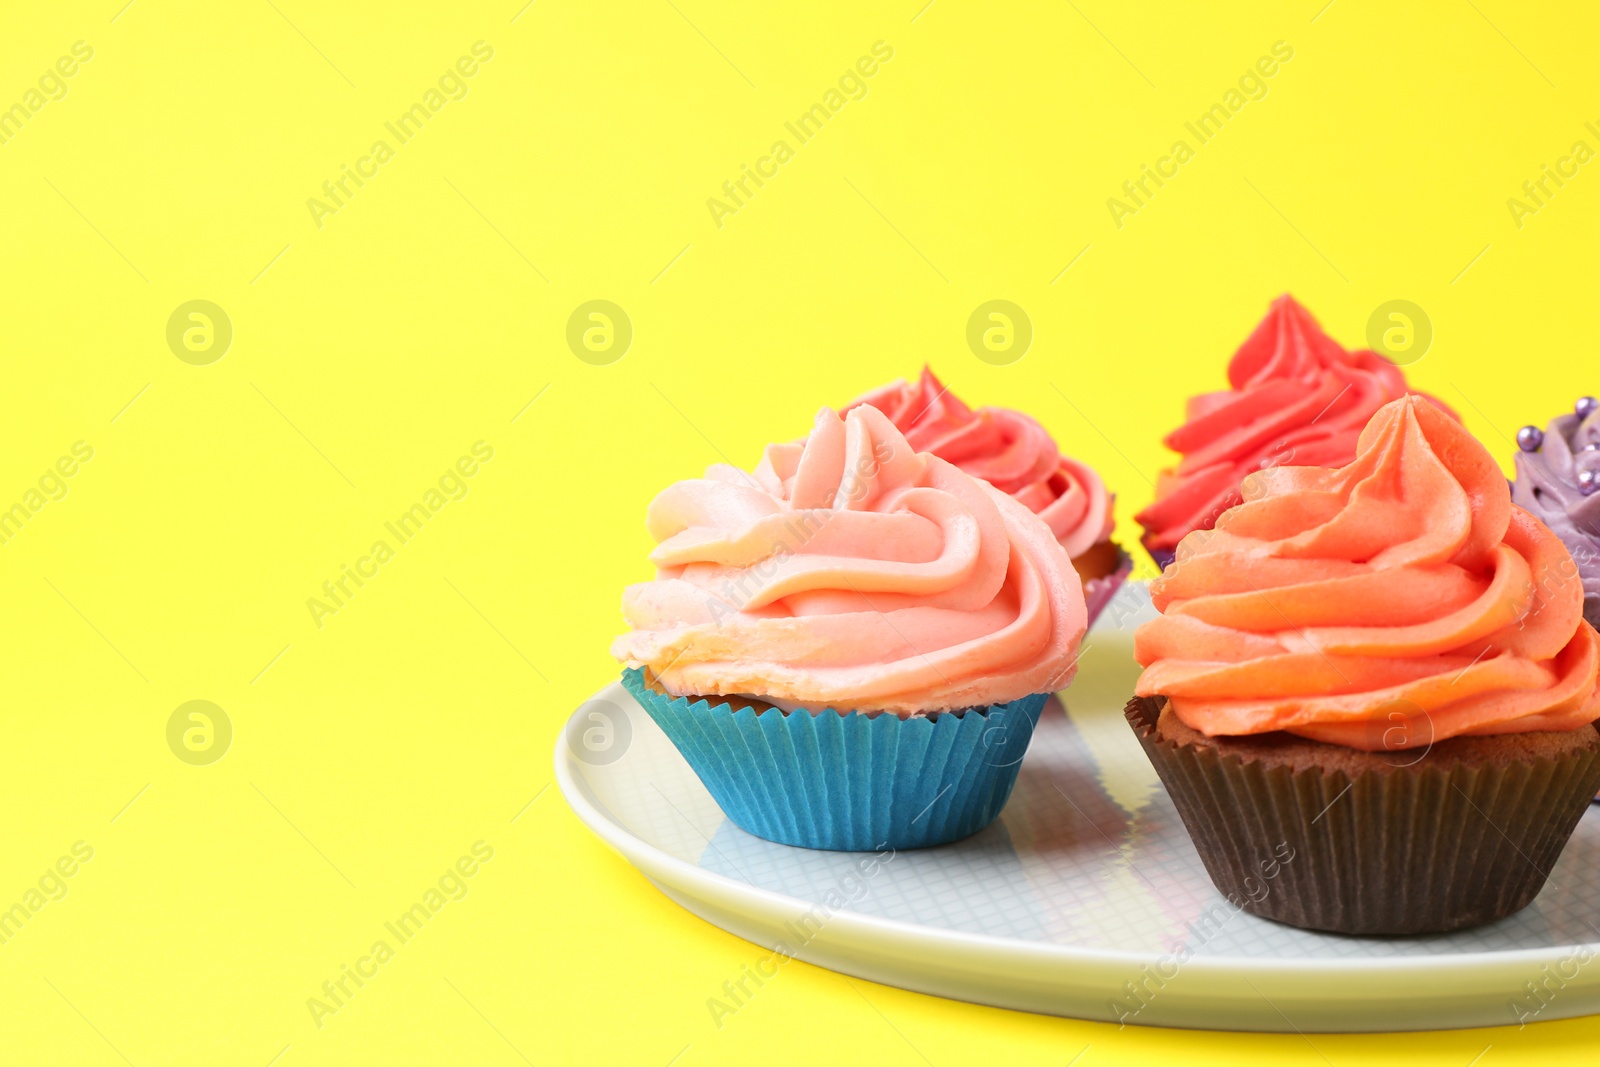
(1558, 481)
(851, 644)
(1295, 397)
(1381, 671)
(1015, 454)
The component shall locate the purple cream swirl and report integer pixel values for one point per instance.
(1555, 482)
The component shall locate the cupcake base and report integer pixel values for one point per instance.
(1404, 842)
(1163, 557)
(1098, 560)
(1102, 568)
(849, 782)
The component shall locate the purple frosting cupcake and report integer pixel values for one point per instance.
(1558, 481)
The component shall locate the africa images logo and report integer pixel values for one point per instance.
(852, 85)
(452, 85)
(1252, 85)
(452, 485)
(51, 86)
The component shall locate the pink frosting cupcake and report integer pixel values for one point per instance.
(851, 571)
(851, 644)
(1017, 456)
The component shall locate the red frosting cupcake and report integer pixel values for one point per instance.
(1017, 456)
(1296, 398)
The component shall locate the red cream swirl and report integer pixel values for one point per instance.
(1390, 603)
(1296, 397)
(1005, 448)
(851, 571)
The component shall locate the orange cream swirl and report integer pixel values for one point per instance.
(850, 571)
(1390, 603)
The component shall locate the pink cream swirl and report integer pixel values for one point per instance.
(851, 571)
(1005, 448)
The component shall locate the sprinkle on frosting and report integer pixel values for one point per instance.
(1297, 397)
(1005, 448)
(1397, 601)
(851, 571)
(1559, 483)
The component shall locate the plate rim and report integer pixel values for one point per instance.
(627, 844)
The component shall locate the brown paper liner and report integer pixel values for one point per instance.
(1420, 849)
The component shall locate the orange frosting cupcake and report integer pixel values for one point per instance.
(1391, 603)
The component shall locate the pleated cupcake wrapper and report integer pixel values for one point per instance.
(1098, 592)
(850, 782)
(1591, 614)
(1410, 851)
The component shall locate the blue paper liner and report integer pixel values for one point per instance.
(851, 782)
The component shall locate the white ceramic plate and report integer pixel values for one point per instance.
(1086, 898)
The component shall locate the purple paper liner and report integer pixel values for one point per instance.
(1098, 592)
(1163, 556)
(849, 782)
(1417, 850)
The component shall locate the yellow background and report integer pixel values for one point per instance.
(424, 316)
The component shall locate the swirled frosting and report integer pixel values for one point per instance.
(1005, 448)
(851, 571)
(1296, 397)
(1399, 600)
(1547, 486)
